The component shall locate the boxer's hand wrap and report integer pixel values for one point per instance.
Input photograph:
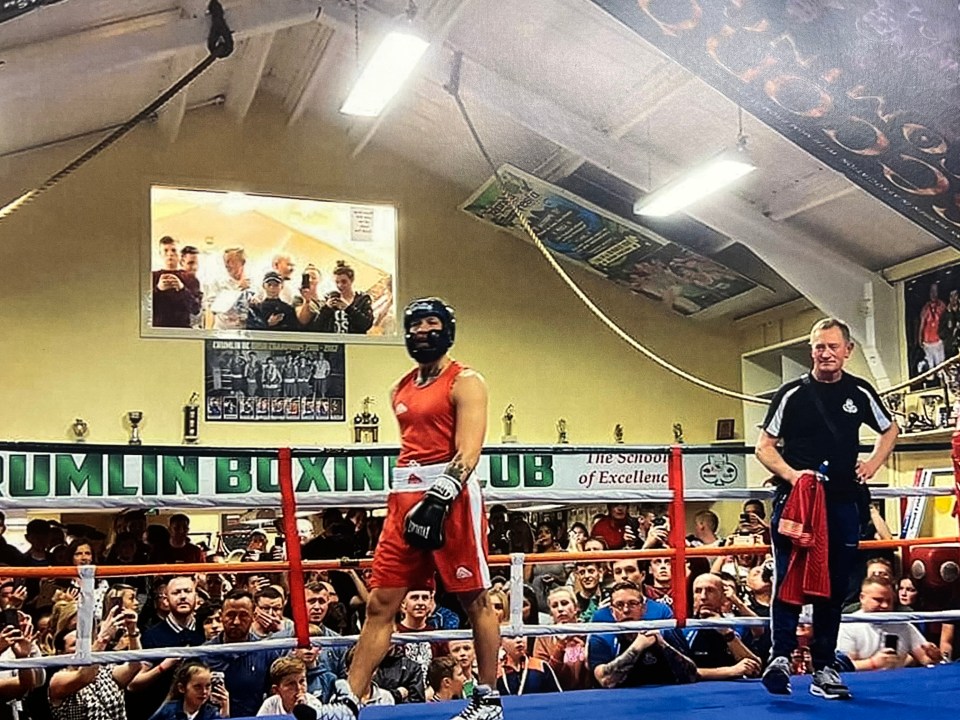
(423, 526)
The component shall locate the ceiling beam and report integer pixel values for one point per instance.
(830, 280)
(319, 60)
(661, 85)
(170, 116)
(247, 71)
(115, 47)
(808, 192)
(69, 18)
(559, 164)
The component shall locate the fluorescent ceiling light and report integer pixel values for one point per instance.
(695, 184)
(385, 73)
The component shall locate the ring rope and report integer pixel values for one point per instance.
(935, 370)
(87, 574)
(106, 571)
(324, 641)
(454, 90)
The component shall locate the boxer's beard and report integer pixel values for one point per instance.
(428, 348)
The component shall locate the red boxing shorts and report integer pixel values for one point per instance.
(461, 562)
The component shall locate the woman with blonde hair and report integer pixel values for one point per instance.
(500, 602)
(124, 597)
(94, 691)
(565, 654)
(63, 615)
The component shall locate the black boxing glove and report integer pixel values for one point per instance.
(423, 525)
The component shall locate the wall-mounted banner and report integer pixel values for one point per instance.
(868, 87)
(251, 381)
(10, 9)
(96, 480)
(627, 253)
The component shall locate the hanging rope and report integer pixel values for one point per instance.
(356, 33)
(219, 45)
(453, 87)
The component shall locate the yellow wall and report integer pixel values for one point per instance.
(70, 321)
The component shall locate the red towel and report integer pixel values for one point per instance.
(804, 520)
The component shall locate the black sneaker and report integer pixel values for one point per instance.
(827, 684)
(484, 705)
(776, 678)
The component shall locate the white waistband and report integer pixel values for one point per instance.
(413, 478)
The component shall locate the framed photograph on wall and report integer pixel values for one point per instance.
(220, 263)
(726, 428)
(932, 319)
(256, 381)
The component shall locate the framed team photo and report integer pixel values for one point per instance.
(254, 381)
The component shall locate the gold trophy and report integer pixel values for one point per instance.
(618, 434)
(562, 432)
(678, 433)
(366, 425)
(191, 419)
(508, 416)
(80, 430)
(135, 417)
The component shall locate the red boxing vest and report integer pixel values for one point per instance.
(426, 417)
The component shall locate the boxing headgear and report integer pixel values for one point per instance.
(437, 342)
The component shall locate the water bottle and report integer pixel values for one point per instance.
(823, 474)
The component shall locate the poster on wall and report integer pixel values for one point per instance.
(868, 87)
(932, 319)
(255, 381)
(626, 253)
(247, 265)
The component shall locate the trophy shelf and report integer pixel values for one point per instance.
(944, 434)
(927, 413)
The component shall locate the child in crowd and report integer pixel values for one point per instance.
(194, 695)
(288, 683)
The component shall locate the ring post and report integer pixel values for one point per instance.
(86, 622)
(678, 528)
(516, 593)
(288, 505)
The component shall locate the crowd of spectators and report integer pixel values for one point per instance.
(228, 605)
(187, 293)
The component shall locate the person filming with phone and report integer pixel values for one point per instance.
(341, 311)
(95, 690)
(888, 645)
(196, 693)
(17, 640)
(617, 528)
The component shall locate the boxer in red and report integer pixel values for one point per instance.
(435, 518)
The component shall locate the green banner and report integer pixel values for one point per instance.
(104, 480)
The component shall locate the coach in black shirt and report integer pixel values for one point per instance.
(814, 423)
